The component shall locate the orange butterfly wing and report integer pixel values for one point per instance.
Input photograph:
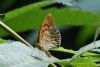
(49, 36)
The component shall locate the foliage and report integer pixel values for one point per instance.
(2, 41)
(33, 57)
(16, 54)
(30, 17)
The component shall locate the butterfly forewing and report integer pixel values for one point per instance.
(52, 38)
(49, 35)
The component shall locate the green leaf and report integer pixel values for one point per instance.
(17, 54)
(63, 64)
(86, 48)
(78, 62)
(31, 17)
(61, 49)
(25, 18)
(64, 50)
(87, 62)
(96, 57)
(2, 41)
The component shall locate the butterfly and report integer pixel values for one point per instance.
(49, 36)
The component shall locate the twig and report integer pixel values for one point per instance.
(9, 30)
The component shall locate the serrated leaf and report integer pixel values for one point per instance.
(86, 48)
(85, 62)
(78, 62)
(96, 57)
(64, 50)
(73, 52)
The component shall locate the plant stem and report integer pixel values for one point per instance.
(9, 30)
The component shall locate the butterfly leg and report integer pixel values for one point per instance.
(48, 53)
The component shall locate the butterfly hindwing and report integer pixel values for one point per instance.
(51, 38)
(49, 35)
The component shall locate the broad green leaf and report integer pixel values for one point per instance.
(17, 54)
(31, 17)
(24, 18)
(26, 56)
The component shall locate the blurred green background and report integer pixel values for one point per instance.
(76, 20)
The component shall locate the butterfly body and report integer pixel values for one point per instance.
(49, 36)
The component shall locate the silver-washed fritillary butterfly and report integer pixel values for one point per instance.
(49, 36)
